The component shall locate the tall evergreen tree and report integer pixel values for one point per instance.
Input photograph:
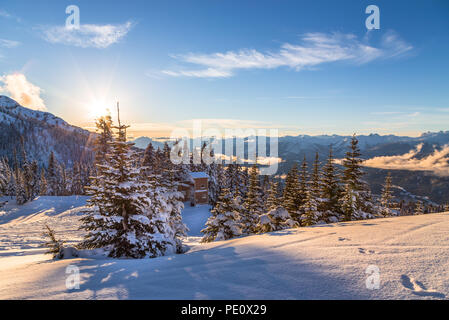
(330, 190)
(387, 196)
(224, 222)
(253, 205)
(167, 185)
(235, 180)
(11, 187)
(309, 210)
(102, 144)
(21, 193)
(77, 183)
(213, 171)
(303, 181)
(265, 187)
(312, 202)
(356, 190)
(64, 181)
(316, 177)
(273, 200)
(419, 207)
(290, 199)
(36, 181)
(149, 159)
(43, 184)
(4, 177)
(126, 215)
(52, 176)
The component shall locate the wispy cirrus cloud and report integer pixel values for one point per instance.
(315, 49)
(87, 35)
(9, 43)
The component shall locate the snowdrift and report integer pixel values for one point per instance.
(319, 262)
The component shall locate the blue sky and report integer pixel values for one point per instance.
(305, 67)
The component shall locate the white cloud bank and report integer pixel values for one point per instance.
(437, 162)
(316, 49)
(24, 92)
(87, 35)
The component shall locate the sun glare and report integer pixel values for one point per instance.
(97, 109)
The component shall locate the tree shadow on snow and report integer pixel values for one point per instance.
(217, 273)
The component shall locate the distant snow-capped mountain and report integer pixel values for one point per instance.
(143, 142)
(429, 153)
(42, 132)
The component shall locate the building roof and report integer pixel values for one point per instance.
(198, 175)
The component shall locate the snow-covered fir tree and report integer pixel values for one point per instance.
(356, 200)
(126, 216)
(149, 159)
(386, 197)
(43, 183)
(54, 246)
(315, 183)
(213, 170)
(11, 188)
(330, 190)
(312, 202)
(244, 181)
(348, 203)
(167, 186)
(265, 187)
(4, 180)
(235, 181)
(253, 204)
(419, 208)
(224, 222)
(272, 200)
(30, 173)
(310, 214)
(35, 182)
(53, 178)
(77, 187)
(290, 199)
(21, 193)
(102, 144)
(276, 219)
(303, 181)
(4, 177)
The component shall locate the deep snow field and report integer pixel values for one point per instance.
(319, 262)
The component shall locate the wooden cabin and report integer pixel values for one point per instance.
(195, 188)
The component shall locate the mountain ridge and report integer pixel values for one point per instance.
(44, 132)
(41, 133)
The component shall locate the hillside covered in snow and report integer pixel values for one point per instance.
(319, 262)
(41, 132)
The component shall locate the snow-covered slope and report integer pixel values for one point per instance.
(42, 133)
(320, 262)
(12, 112)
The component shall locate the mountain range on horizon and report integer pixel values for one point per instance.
(427, 155)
